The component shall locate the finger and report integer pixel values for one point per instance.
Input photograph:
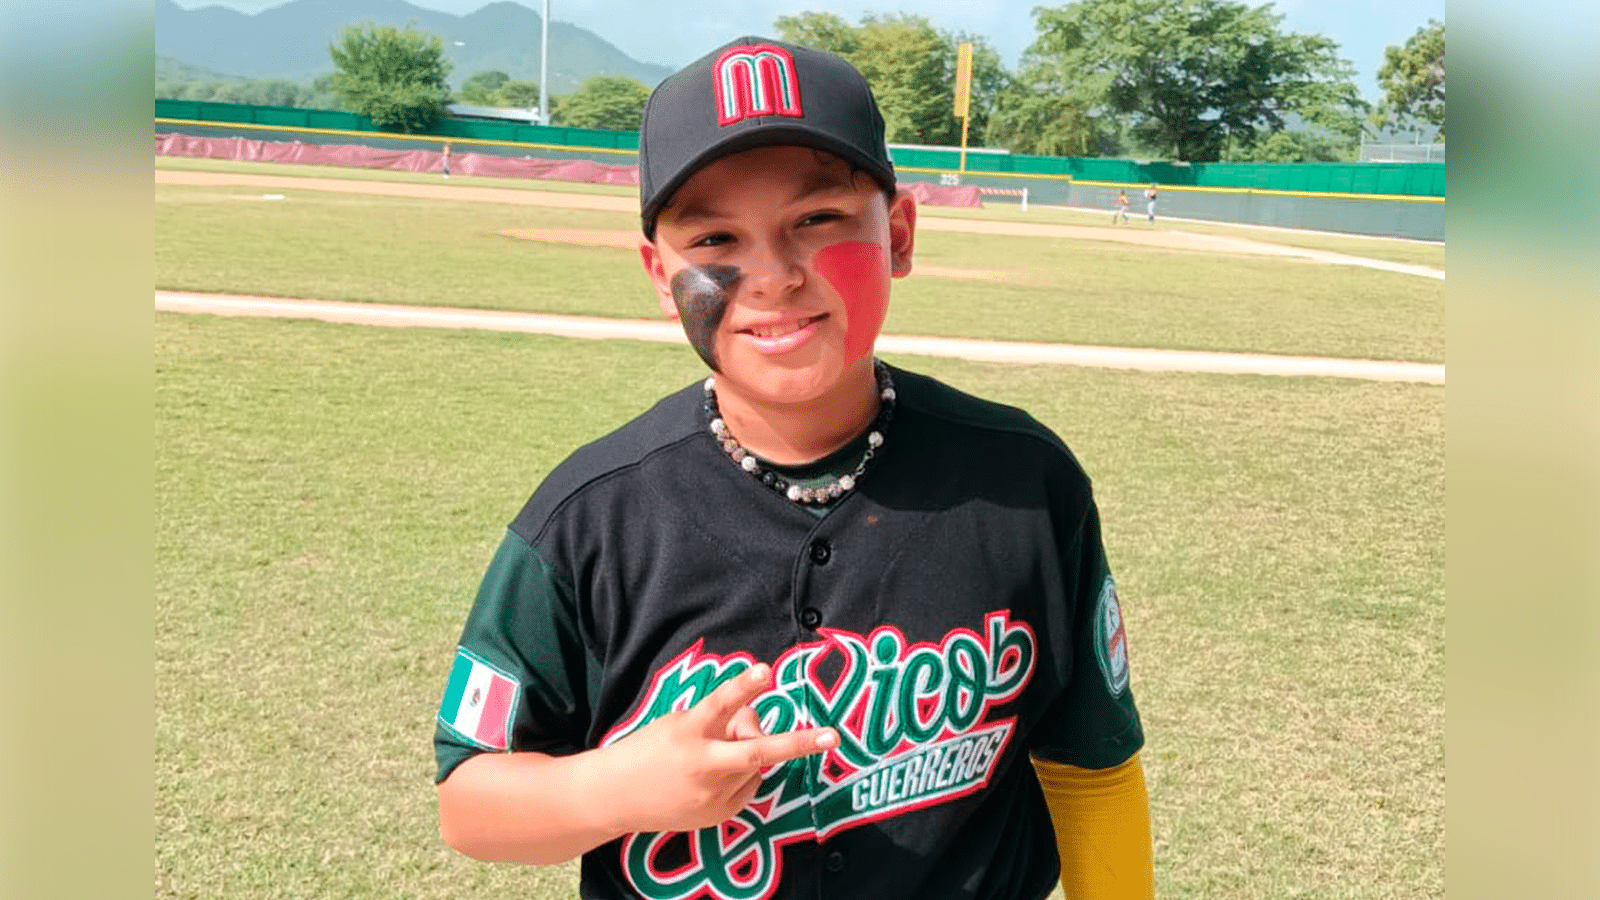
(773, 749)
(747, 792)
(744, 725)
(718, 708)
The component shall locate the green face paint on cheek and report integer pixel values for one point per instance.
(859, 271)
(701, 295)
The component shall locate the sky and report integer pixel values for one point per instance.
(673, 33)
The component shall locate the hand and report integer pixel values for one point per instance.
(697, 768)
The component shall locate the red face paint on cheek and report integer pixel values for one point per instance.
(859, 271)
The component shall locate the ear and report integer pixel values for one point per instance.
(656, 269)
(902, 232)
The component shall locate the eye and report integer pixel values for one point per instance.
(714, 239)
(820, 218)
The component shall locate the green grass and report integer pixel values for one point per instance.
(1123, 295)
(327, 497)
(332, 246)
(1418, 253)
(325, 245)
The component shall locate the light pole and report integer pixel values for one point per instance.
(544, 65)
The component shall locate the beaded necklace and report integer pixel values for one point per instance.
(820, 495)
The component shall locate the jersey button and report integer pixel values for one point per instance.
(833, 862)
(810, 617)
(820, 552)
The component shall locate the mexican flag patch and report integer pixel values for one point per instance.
(478, 702)
(1111, 639)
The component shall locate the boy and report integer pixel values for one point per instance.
(1122, 209)
(810, 627)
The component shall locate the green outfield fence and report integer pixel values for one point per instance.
(1389, 199)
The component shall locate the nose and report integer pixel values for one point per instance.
(773, 268)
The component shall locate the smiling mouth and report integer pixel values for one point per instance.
(775, 331)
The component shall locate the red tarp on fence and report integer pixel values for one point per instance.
(943, 194)
(399, 160)
(463, 163)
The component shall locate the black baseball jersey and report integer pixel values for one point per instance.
(951, 615)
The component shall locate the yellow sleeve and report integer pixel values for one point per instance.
(1102, 821)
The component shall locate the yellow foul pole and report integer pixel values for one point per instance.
(963, 93)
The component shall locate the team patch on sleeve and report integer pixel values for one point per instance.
(1111, 638)
(479, 701)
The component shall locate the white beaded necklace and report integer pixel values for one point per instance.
(823, 494)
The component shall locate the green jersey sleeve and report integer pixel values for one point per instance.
(521, 675)
(1093, 722)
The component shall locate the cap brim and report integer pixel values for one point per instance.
(770, 134)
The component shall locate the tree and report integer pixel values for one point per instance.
(324, 93)
(189, 90)
(1295, 146)
(1046, 123)
(1412, 77)
(396, 77)
(1192, 77)
(252, 91)
(606, 101)
(273, 92)
(479, 87)
(1050, 109)
(823, 31)
(518, 93)
(911, 68)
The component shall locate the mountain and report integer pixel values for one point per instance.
(169, 69)
(291, 41)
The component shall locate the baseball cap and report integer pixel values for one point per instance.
(756, 92)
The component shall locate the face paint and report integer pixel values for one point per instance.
(859, 271)
(701, 294)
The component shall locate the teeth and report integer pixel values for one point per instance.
(781, 331)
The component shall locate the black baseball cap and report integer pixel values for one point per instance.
(756, 92)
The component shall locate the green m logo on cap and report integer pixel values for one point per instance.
(757, 80)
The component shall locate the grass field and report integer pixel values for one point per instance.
(327, 497)
(400, 250)
(1402, 251)
(1417, 253)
